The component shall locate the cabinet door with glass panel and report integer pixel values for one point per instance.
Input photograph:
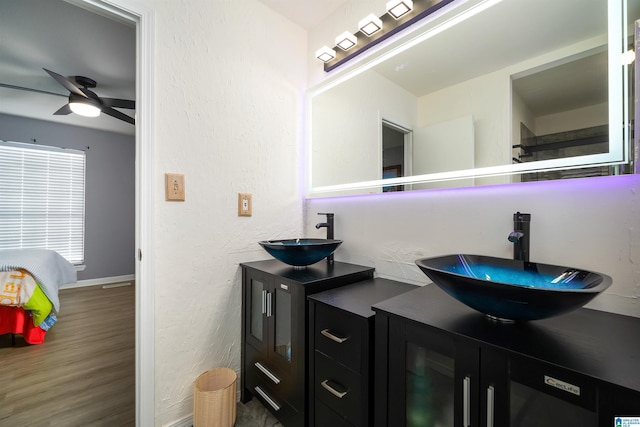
(434, 379)
(438, 379)
(269, 320)
(281, 348)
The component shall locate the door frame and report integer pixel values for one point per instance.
(144, 20)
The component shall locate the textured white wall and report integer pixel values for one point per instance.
(230, 81)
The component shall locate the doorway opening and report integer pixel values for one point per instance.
(396, 154)
(142, 18)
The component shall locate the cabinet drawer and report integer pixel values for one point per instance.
(261, 371)
(339, 388)
(338, 334)
(285, 413)
(326, 417)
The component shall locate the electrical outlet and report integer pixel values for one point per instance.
(244, 204)
(174, 187)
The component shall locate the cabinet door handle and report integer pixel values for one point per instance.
(327, 333)
(266, 397)
(267, 372)
(269, 294)
(336, 393)
(264, 301)
(490, 405)
(466, 401)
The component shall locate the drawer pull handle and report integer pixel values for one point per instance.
(267, 372)
(269, 304)
(466, 399)
(336, 393)
(332, 337)
(266, 397)
(490, 405)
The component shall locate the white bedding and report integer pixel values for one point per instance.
(48, 267)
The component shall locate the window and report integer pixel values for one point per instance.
(42, 199)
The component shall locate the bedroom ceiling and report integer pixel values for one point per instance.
(53, 34)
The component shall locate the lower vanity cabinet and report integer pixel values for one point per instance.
(275, 322)
(341, 352)
(439, 363)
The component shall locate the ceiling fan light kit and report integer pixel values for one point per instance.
(88, 100)
(83, 101)
(84, 109)
(84, 106)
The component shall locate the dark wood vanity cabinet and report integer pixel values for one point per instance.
(439, 362)
(275, 322)
(341, 352)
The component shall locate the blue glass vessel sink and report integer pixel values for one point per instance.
(300, 252)
(507, 289)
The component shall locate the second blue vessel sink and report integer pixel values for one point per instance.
(300, 252)
(509, 289)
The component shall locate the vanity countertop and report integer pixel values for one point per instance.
(358, 298)
(595, 343)
(312, 273)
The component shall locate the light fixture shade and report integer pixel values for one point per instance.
(370, 24)
(346, 40)
(86, 109)
(399, 8)
(325, 54)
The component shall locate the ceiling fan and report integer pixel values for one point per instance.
(82, 100)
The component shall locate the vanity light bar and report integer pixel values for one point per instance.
(399, 8)
(346, 40)
(325, 54)
(400, 14)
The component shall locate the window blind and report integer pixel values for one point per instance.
(42, 199)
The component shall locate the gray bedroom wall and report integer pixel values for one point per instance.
(110, 189)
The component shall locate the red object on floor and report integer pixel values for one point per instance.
(14, 320)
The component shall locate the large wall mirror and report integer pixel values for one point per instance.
(486, 92)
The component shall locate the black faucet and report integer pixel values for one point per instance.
(329, 226)
(520, 236)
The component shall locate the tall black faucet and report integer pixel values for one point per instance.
(329, 226)
(520, 236)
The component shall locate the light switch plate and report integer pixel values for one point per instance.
(174, 187)
(244, 204)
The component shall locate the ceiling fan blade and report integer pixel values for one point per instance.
(30, 90)
(119, 103)
(63, 111)
(118, 115)
(66, 83)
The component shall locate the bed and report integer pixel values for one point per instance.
(29, 284)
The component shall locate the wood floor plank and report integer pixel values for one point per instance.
(84, 372)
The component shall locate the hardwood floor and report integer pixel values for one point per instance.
(84, 372)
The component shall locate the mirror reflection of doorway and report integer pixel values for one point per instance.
(396, 153)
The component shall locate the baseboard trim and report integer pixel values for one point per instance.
(183, 422)
(99, 281)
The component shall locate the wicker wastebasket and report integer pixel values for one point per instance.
(214, 400)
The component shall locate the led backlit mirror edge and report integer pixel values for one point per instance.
(618, 86)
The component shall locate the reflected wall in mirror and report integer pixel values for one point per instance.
(522, 90)
(562, 111)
